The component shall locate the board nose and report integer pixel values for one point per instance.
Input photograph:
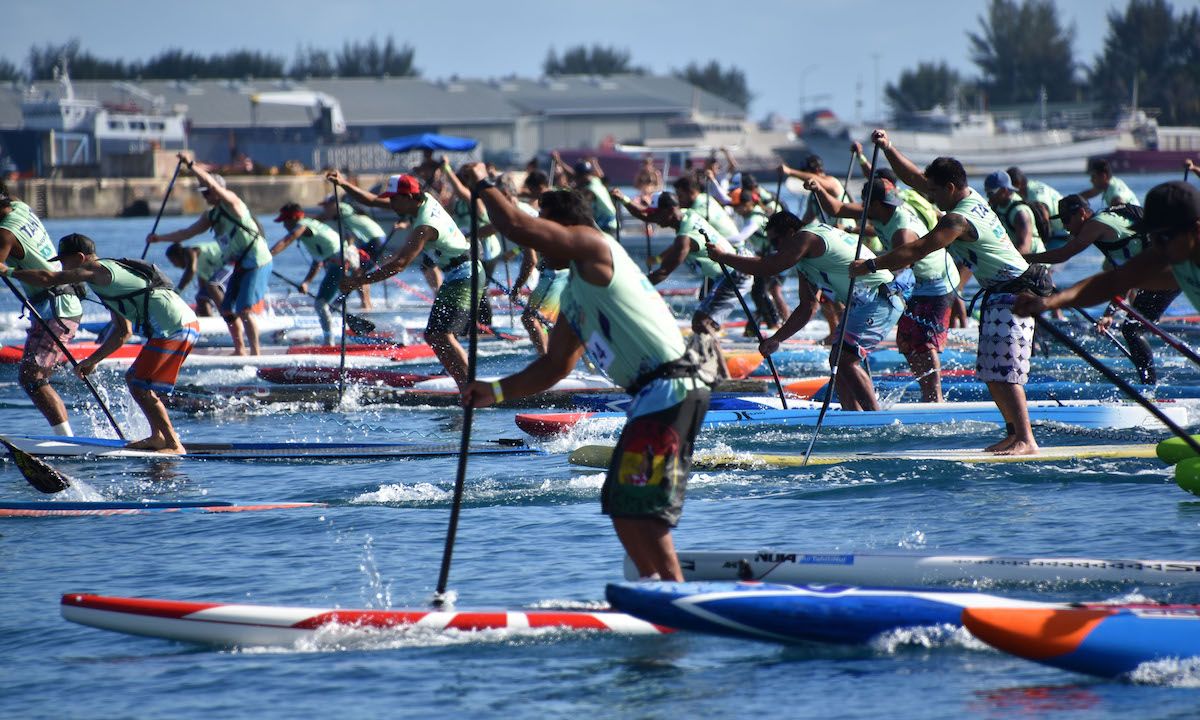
(1033, 632)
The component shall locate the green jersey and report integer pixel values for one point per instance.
(758, 241)
(1008, 212)
(1187, 274)
(157, 313)
(1126, 243)
(830, 272)
(358, 226)
(208, 261)
(1048, 196)
(450, 243)
(35, 242)
(626, 326)
(991, 255)
(935, 273)
(603, 211)
(319, 240)
(693, 225)
(238, 237)
(1118, 193)
(714, 214)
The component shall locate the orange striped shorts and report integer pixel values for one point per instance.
(157, 365)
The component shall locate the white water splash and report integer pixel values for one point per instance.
(1171, 672)
(376, 593)
(401, 493)
(925, 636)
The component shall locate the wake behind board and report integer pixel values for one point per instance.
(83, 509)
(1081, 413)
(236, 625)
(57, 446)
(307, 375)
(913, 569)
(1103, 640)
(599, 456)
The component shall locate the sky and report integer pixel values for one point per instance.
(797, 54)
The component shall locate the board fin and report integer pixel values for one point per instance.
(40, 474)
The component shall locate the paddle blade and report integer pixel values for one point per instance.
(360, 325)
(40, 474)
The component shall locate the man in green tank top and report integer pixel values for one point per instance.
(24, 244)
(970, 231)
(324, 247)
(587, 180)
(434, 234)
(361, 230)
(1043, 200)
(1111, 189)
(134, 301)
(242, 245)
(202, 262)
(1111, 231)
(613, 313)
(1014, 213)
(1170, 261)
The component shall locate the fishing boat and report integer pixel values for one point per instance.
(241, 625)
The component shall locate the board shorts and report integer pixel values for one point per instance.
(1005, 342)
(647, 477)
(40, 349)
(722, 300)
(451, 311)
(157, 365)
(923, 326)
(219, 277)
(872, 316)
(247, 288)
(1151, 304)
(545, 296)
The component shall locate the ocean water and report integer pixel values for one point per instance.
(531, 534)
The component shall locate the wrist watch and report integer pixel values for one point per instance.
(871, 267)
(484, 184)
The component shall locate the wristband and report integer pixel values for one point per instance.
(862, 159)
(8, 272)
(484, 184)
(871, 267)
(497, 392)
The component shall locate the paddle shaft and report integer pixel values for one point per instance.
(1109, 334)
(460, 477)
(1129, 390)
(1166, 337)
(342, 248)
(74, 363)
(162, 206)
(364, 325)
(753, 323)
(849, 172)
(838, 342)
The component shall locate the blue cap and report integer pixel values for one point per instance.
(996, 181)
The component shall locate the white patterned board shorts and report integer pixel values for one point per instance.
(1005, 342)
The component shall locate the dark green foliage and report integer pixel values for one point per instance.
(1023, 47)
(930, 84)
(370, 59)
(597, 60)
(727, 83)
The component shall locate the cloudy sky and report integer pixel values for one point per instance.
(834, 53)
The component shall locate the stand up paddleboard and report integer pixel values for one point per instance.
(82, 509)
(236, 625)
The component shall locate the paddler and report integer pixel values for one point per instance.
(692, 237)
(690, 196)
(1015, 214)
(1043, 200)
(490, 248)
(362, 230)
(1169, 261)
(434, 234)
(323, 246)
(138, 297)
(1112, 232)
(1111, 189)
(587, 180)
(25, 245)
(972, 233)
(767, 292)
(627, 329)
(648, 180)
(544, 299)
(242, 244)
(823, 253)
(202, 262)
(922, 329)
(814, 170)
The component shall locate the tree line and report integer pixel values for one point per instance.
(1023, 48)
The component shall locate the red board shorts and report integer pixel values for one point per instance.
(647, 477)
(157, 365)
(40, 349)
(923, 325)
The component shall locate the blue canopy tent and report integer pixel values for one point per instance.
(429, 141)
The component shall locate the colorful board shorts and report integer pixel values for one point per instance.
(157, 365)
(40, 349)
(647, 477)
(451, 312)
(722, 300)
(924, 324)
(544, 298)
(1005, 342)
(872, 316)
(246, 289)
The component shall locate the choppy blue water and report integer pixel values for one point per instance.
(531, 533)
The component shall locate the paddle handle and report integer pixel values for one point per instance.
(1166, 337)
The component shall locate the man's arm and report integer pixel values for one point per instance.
(1090, 192)
(637, 212)
(92, 272)
(1024, 232)
(528, 261)
(120, 332)
(790, 252)
(834, 205)
(191, 258)
(8, 242)
(562, 353)
(902, 166)
(363, 196)
(672, 258)
(795, 322)
(1149, 270)
(1090, 233)
(288, 239)
(202, 224)
(948, 229)
(394, 263)
(222, 193)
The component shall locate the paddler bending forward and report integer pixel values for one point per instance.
(136, 293)
(613, 312)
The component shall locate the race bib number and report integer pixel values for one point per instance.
(599, 351)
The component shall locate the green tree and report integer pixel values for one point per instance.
(82, 65)
(1022, 48)
(312, 62)
(726, 83)
(176, 64)
(1162, 52)
(597, 60)
(9, 71)
(930, 84)
(370, 59)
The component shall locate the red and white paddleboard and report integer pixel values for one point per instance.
(236, 625)
(10, 354)
(393, 352)
(302, 375)
(550, 424)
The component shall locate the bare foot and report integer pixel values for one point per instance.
(1001, 446)
(150, 443)
(1020, 447)
(172, 450)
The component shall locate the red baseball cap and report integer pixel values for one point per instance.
(291, 211)
(401, 185)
